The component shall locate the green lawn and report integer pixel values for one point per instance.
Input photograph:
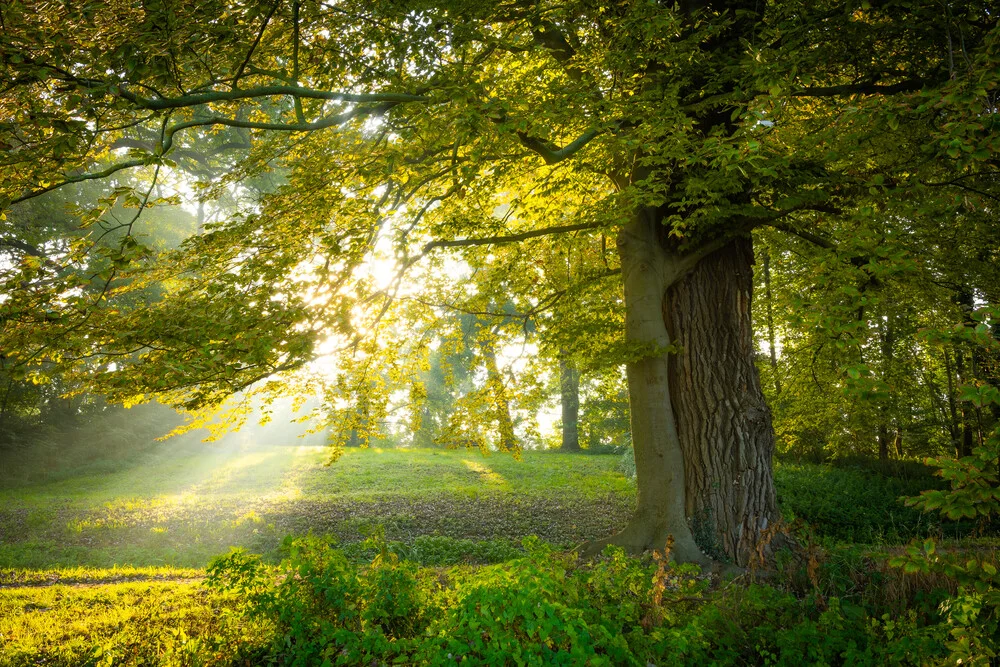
(185, 503)
(104, 568)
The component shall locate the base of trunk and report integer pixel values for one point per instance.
(645, 533)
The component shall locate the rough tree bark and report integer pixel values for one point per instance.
(701, 430)
(569, 388)
(723, 420)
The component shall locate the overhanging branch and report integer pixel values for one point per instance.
(549, 153)
(513, 238)
(815, 239)
(90, 176)
(301, 92)
(168, 137)
(908, 86)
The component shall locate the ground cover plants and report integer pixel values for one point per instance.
(399, 588)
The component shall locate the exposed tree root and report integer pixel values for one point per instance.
(643, 534)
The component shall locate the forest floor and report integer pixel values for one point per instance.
(94, 564)
(90, 560)
(181, 506)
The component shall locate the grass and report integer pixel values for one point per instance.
(102, 567)
(124, 623)
(188, 502)
(183, 502)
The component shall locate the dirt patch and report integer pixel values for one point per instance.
(482, 518)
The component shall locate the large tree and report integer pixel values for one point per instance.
(457, 127)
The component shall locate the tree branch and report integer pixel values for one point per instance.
(168, 136)
(195, 99)
(549, 153)
(815, 239)
(253, 47)
(908, 86)
(513, 238)
(91, 176)
(26, 248)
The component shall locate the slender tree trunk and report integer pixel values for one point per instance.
(968, 414)
(569, 386)
(200, 223)
(3, 408)
(883, 443)
(966, 373)
(954, 426)
(501, 404)
(884, 411)
(994, 365)
(723, 420)
(770, 323)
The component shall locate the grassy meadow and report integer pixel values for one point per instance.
(181, 505)
(107, 567)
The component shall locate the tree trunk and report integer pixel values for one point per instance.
(501, 405)
(887, 334)
(770, 324)
(723, 420)
(883, 443)
(200, 223)
(659, 463)
(701, 430)
(569, 386)
(968, 415)
(954, 426)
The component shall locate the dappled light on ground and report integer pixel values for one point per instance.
(486, 474)
(184, 506)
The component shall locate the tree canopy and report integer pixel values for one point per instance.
(580, 169)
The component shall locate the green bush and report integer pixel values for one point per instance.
(548, 608)
(972, 616)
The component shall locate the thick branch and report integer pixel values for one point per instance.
(90, 176)
(908, 86)
(549, 153)
(168, 136)
(23, 246)
(815, 239)
(513, 238)
(195, 99)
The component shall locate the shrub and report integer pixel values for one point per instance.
(547, 608)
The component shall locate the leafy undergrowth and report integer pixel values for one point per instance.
(430, 568)
(320, 606)
(135, 623)
(856, 505)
